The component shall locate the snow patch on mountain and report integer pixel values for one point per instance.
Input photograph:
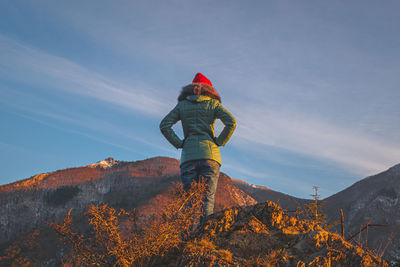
(237, 181)
(105, 164)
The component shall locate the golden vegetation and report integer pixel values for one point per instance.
(30, 182)
(258, 235)
(204, 252)
(149, 239)
(17, 253)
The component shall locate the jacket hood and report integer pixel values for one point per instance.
(199, 89)
(197, 98)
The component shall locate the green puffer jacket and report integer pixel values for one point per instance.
(198, 114)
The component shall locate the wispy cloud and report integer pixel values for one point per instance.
(300, 133)
(40, 110)
(358, 152)
(26, 64)
(82, 133)
(243, 170)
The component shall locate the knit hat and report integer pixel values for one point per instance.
(200, 86)
(200, 78)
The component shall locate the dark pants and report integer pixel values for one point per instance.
(209, 169)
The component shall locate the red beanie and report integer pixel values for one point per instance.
(200, 78)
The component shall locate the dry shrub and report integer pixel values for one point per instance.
(149, 240)
(17, 254)
(274, 258)
(204, 252)
(339, 252)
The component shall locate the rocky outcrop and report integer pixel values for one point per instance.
(265, 235)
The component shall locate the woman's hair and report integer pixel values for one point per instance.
(199, 89)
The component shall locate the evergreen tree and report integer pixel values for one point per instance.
(313, 210)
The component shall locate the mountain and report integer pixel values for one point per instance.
(30, 203)
(375, 199)
(262, 194)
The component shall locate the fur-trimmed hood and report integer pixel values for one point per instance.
(199, 89)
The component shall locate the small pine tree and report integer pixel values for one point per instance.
(313, 210)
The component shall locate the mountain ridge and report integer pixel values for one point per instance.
(84, 174)
(28, 203)
(375, 200)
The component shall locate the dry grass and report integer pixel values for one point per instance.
(149, 239)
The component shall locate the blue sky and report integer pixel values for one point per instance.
(314, 85)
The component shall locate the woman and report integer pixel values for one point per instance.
(199, 105)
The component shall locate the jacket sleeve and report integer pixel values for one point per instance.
(230, 124)
(166, 127)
